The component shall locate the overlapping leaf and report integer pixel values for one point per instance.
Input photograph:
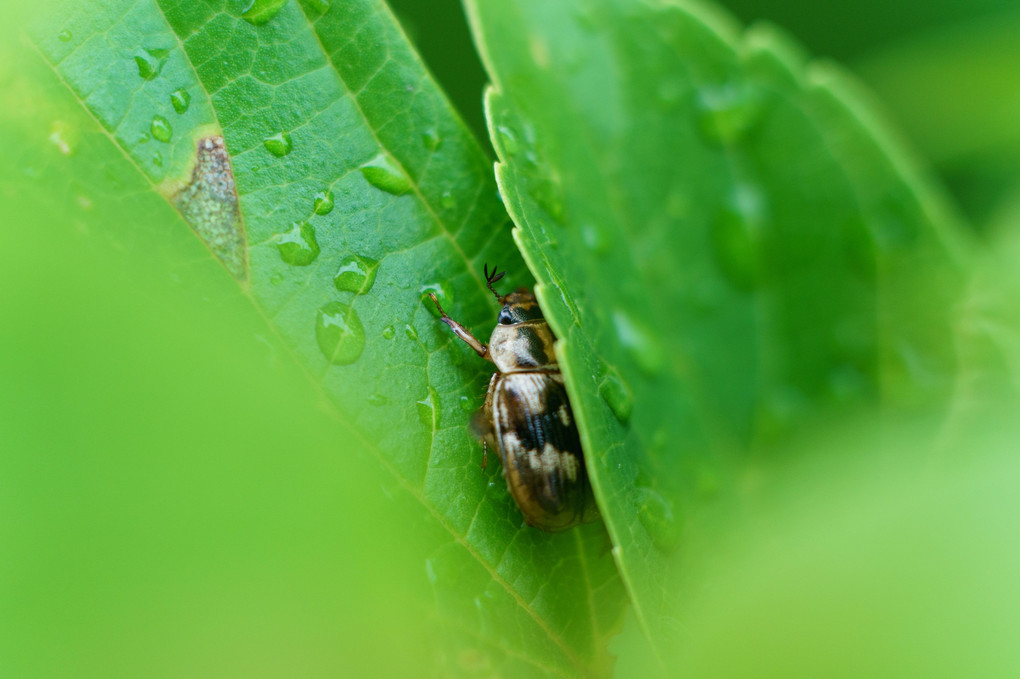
(725, 240)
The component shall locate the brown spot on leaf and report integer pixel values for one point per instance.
(209, 204)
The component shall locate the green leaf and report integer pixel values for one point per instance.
(307, 147)
(728, 244)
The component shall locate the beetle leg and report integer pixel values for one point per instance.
(462, 332)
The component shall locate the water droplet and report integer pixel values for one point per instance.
(466, 404)
(323, 203)
(181, 100)
(161, 129)
(388, 332)
(356, 274)
(430, 571)
(298, 246)
(279, 144)
(64, 36)
(549, 196)
(640, 341)
(442, 292)
(735, 235)
(377, 400)
(595, 239)
(382, 173)
(261, 11)
(660, 518)
(411, 332)
(339, 332)
(618, 395)
(431, 139)
(157, 159)
(726, 113)
(428, 410)
(447, 200)
(507, 140)
(276, 278)
(150, 62)
(60, 136)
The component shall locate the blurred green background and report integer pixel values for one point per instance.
(174, 501)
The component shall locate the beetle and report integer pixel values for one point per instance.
(527, 416)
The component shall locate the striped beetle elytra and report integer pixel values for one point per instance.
(527, 417)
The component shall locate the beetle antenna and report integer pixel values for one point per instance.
(491, 279)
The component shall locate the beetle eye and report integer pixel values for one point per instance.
(505, 317)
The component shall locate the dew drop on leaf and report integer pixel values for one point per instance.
(442, 292)
(339, 332)
(639, 341)
(735, 236)
(377, 400)
(507, 140)
(431, 139)
(411, 332)
(64, 36)
(466, 404)
(660, 518)
(322, 204)
(447, 201)
(298, 246)
(428, 410)
(355, 274)
(181, 100)
(382, 173)
(161, 129)
(388, 332)
(150, 62)
(617, 395)
(595, 239)
(157, 159)
(726, 113)
(260, 12)
(279, 144)
(276, 278)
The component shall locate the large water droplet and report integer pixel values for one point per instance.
(150, 62)
(447, 201)
(388, 332)
(735, 235)
(466, 404)
(64, 36)
(355, 274)
(428, 410)
(298, 246)
(431, 139)
(617, 394)
(181, 100)
(640, 341)
(161, 129)
(279, 144)
(261, 11)
(726, 113)
(339, 332)
(660, 518)
(442, 292)
(323, 202)
(507, 140)
(382, 173)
